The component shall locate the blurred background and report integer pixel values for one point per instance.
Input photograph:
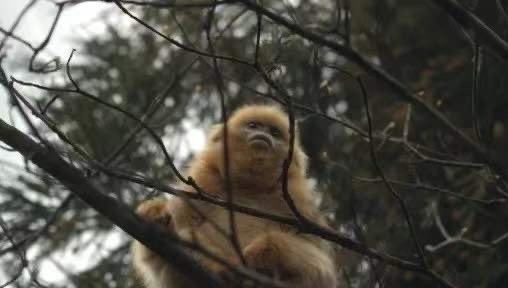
(456, 201)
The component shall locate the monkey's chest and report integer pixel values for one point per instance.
(247, 227)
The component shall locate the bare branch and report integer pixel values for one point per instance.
(233, 237)
(459, 237)
(398, 197)
(382, 75)
(14, 25)
(149, 234)
(468, 19)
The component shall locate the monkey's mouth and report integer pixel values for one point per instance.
(260, 141)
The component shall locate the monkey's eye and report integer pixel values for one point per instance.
(275, 132)
(253, 125)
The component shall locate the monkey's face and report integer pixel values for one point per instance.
(258, 143)
(263, 136)
(257, 149)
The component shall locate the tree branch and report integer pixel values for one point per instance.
(164, 244)
(383, 76)
(469, 20)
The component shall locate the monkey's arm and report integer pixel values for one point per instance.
(289, 257)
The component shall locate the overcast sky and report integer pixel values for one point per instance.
(78, 22)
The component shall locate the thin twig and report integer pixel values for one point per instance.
(15, 24)
(385, 77)
(467, 19)
(225, 140)
(173, 41)
(459, 237)
(45, 42)
(396, 195)
(44, 229)
(477, 66)
(19, 253)
(428, 187)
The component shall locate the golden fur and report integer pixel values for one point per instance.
(267, 246)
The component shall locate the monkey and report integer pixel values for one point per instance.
(258, 141)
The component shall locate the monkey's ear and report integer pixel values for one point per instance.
(216, 133)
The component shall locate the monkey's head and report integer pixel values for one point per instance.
(258, 143)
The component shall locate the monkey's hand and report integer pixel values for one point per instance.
(266, 256)
(158, 212)
(291, 259)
